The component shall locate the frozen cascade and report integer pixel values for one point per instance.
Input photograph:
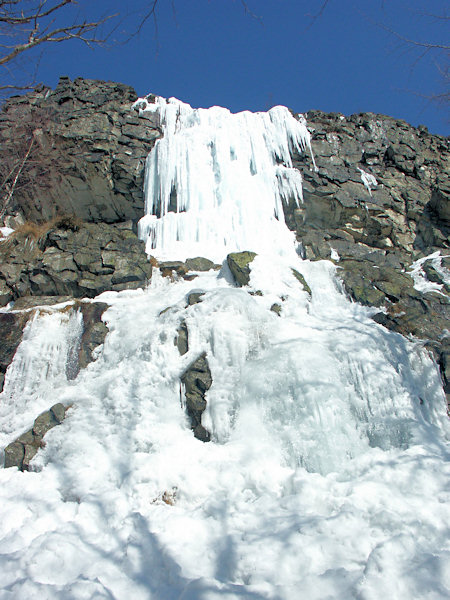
(217, 180)
(41, 364)
(327, 477)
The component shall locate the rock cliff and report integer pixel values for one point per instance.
(88, 154)
(377, 202)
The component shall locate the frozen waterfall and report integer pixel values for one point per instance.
(216, 181)
(326, 477)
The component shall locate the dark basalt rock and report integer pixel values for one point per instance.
(378, 233)
(11, 331)
(93, 148)
(78, 263)
(19, 453)
(94, 331)
(90, 151)
(197, 380)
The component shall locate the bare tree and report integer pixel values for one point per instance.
(440, 52)
(428, 47)
(28, 24)
(26, 160)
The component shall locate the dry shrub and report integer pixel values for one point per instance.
(34, 235)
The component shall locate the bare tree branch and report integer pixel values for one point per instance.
(27, 24)
(428, 45)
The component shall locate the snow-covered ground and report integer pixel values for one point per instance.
(327, 474)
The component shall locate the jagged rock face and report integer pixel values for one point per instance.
(406, 211)
(88, 155)
(95, 149)
(80, 262)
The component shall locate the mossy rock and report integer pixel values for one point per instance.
(302, 280)
(238, 263)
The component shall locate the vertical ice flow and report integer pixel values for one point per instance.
(216, 181)
(41, 364)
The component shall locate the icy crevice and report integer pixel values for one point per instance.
(230, 174)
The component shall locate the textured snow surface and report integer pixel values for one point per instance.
(326, 477)
(327, 474)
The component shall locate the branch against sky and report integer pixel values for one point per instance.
(438, 49)
(29, 27)
(28, 24)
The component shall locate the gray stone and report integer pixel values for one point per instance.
(44, 423)
(182, 338)
(30, 452)
(94, 332)
(14, 455)
(197, 380)
(200, 264)
(59, 412)
(194, 298)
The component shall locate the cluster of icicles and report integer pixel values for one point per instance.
(216, 181)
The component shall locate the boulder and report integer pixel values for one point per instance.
(238, 263)
(197, 380)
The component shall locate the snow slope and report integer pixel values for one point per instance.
(327, 474)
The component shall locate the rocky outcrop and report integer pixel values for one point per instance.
(197, 380)
(379, 200)
(380, 182)
(88, 151)
(239, 262)
(20, 452)
(79, 261)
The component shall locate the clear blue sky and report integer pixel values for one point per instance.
(213, 52)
